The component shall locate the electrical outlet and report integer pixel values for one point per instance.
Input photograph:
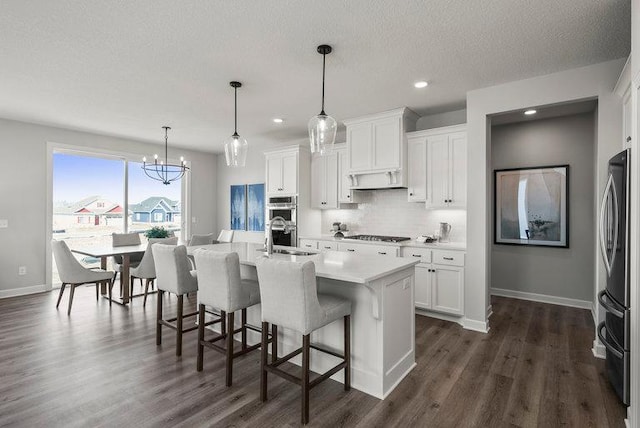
(22, 270)
(4, 223)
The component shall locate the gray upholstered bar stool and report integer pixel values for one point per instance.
(289, 298)
(174, 275)
(221, 287)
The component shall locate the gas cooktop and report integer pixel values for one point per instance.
(378, 238)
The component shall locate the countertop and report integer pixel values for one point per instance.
(461, 246)
(338, 265)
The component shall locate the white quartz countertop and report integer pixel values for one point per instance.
(411, 243)
(341, 266)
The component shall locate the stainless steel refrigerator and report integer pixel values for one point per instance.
(614, 331)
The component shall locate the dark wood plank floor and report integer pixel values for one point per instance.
(101, 367)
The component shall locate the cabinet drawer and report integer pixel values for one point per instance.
(309, 243)
(451, 258)
(327, 245)
(382, 250)
(424, 254)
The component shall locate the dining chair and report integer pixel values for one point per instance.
(147, 269)
(225, 236)
(73, 274)
(221, 287)
(174, 275)
(202, 239)
(289, 298)
(123, 240)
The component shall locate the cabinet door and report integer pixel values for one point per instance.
(331, 180)
(318, 191)
(423, 287)
(417, 170)
(327, 245)
(344, 181)
(274, 174)
(626, 120)
(359, 146)
(387, 143)
(437, 171)
(458, 170)
(447, 285)
(290, 173)
(308, 244)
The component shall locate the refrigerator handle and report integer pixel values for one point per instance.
(616, 213)
(603, 208)
(608, 345)
(608, 305)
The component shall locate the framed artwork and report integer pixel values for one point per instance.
(255, 207)
(532, 206)
(238, 207)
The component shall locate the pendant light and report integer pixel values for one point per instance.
(235, 148)
(322, 128)
(164, 171)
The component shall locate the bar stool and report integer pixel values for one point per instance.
(289, 296)
(221, 287)
(174, 275)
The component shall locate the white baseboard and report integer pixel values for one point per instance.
(481, 326)
(23, 291)
(438, 315)
(489, 311)
(599, 351)
(543, 298)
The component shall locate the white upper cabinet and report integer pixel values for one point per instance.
(324, 181)
(345, 194)
(282, 172)
(438, 163)
(417, 169)
(377, 149)
(623, 89)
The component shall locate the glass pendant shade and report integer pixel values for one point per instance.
(322, 133)
(235, 151)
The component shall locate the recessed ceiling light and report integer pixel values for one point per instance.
(278, 120)
(421, 84)
(530, 112)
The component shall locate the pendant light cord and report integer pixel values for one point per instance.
(235, 97)
(166, 146)
(323, 67)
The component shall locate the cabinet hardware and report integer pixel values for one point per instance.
(350, 250)
(448, 258)
(327, 248)
(382, 253)
(410, 194)
(348, 196)
(628, 139)
(416, 255)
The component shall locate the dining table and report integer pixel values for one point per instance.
(103, 252)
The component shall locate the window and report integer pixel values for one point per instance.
(158, 217)
(100, 204)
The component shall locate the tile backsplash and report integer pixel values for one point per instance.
(387, 212)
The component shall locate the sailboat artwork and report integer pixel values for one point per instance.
(531, 206)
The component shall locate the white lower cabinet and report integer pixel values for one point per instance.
(423, 286)
(447, 285)
(327, 245)
(381, 250)
(311, 244)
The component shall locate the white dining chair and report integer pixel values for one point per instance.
(147, 269)
(202, 239)
(73, 274)
(123, 240)
(225, 236)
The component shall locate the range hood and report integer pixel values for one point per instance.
(392, 178)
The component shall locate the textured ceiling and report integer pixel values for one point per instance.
(127, 68)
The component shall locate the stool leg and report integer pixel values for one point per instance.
(229, 359)
(200, 362)
(73, 289)
(263, 361)
(306, 342)
(244, 329)
(98, 291)
(146, 290)
(223, 322)
(179, 326)
(347, 352)
(159, 318)
(110, 291)
(274, 343)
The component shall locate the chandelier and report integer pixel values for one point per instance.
(164, 171)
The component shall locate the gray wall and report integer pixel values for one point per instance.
(23, 195)
(556, 272)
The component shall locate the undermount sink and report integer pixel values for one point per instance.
(290, 252)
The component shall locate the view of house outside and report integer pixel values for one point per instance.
(88, 203)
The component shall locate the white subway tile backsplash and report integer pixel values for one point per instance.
(387, 212)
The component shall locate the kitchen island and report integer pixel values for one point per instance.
(381, 291)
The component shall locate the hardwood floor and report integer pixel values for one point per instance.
(101, 367)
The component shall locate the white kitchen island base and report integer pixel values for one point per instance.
(381, 290)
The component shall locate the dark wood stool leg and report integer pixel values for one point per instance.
(223, 322)
(146, 290)
(60, 295)
(159, 318)
(110, 291)
(179, 326)
(229, 359)
(263, 361)
(347, 352)
(306, 342)
(274, 342)
(200, 362)
(73, 288)
(244, 329)
(97, 291)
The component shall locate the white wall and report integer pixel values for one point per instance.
(387, 212)
(592, 81)
(558, 272)
(23, 192)
(455, 117)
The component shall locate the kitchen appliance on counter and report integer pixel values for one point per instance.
(285, 207)
(615, 298)
(444, 231)
(338, 229)
(379, 238)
